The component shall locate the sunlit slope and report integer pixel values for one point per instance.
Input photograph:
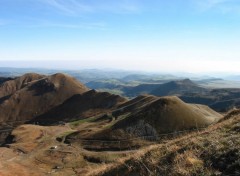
(35, 97)
(162, 115)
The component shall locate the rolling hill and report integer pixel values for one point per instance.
(153, 116)
(10, 86)
(170, 114)
(81, 106)
(221, 100)
(141, 89)
(31, 95)
(213, 151)
(177, 88)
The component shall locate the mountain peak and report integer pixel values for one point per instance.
(44, 92)
(176, 88)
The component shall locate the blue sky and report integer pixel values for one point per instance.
(151, 35)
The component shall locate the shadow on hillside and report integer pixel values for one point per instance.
(42, 87)
(4, 98)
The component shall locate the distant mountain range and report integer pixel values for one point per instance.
(220, 99)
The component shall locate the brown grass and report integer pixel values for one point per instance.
(189, 155)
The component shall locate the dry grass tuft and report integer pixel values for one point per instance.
(186, 162)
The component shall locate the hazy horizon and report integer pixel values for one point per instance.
(157, 36)
(73, 66)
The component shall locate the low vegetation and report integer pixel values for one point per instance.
(213, 151)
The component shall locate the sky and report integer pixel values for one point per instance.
(150, 35)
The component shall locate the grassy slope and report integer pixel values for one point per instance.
(179, 115)
(37, 97)
(214, 151)
(208, 152)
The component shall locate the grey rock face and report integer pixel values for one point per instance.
(142, 129)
